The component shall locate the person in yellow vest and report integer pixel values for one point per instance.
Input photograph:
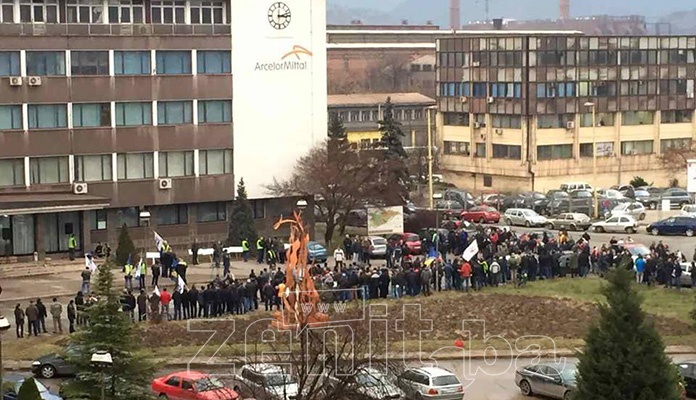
(259, 250)
(281, 294)
(143, 273)
(128, 275)
(245, 250)
(72, 245)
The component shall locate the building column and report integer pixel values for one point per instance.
(86, 244)
(39, 234)
(657, 126)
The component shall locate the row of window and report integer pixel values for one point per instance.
(554, 121)
(91, 115)
(481, 89)
(137, 62)
(100, 167)
(114, 12)
(374, 115)
(565, 151)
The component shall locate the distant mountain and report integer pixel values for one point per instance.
(420, 11)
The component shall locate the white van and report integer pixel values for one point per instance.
(569, 187)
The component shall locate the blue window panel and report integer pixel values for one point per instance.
(174, 112)
(133, 114)
(46, 63)
(466, 89)
(214, 111)
(541, 90)
(10, 117)
(480, 90)
(132, 63)
(173, 62)
(214, 62)
(9, 63)
(48, 116)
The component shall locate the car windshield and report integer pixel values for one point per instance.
(488, 209)
(208, 383)
(529, 213)
(365, 379)
(279, 380)
(445, 380)
(641, 193)
(568, 373)
(637, 250)
(378, 241)
(412, 238)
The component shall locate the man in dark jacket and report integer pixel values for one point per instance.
(156, 271)
(32, 313)
(72, 315)
(43, 313)
(176, 297)
(19, 321)
(268, 293)
(142, 306)
(193, 302)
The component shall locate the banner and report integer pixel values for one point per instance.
(471, 251)
(385, 221)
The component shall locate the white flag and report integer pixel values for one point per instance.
(159, 242)
(180, 284)
(137, 269)
(156, 291)
(471, 251)
(89, 262)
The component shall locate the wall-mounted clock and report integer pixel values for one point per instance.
(279, 15)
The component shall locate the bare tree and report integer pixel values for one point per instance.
(675, 158)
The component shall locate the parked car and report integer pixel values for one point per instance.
(412, 241)
(431, 383)
(679, 225)
(357, 218)
(687, 370)
(316, 253)
(191, 385)
(464, 198)
(557, 381)
(532, 200)
(634, 209)
(677, 197)
(610, 194)
(653, 199)
(265, 382)
(449, 205)
(369, 384)
(642, 196)
(482, 214)
(378, 246)
(53, 365)
(622, 223)
(492, 200)
(569, 187)
(689, 210)
(12, 383)
(571, 221)
(523, 216)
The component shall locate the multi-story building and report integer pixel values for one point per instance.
(361, 114)
(108, 108)
(516, 112)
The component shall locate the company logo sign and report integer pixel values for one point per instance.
(294, 60)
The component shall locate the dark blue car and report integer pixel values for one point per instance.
(679, 225)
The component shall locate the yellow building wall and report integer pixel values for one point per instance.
(356, 137)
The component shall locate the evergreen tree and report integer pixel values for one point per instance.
(125, 248)
(28, 390)
(338, 138)
(110, 330)
(392, 133)
(395, 171)
(624, 356)
(242, 218)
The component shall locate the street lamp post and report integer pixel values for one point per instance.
(437, 196)
(301, 205)
(4, 326)
(102, 360)
(430, 153)
(593, 107)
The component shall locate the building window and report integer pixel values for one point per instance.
(507, 90)
(214, 62)
(98, 220)
(132, 62)
(480, 150)
(175, 163)
(553, 90)
(638, 118)
(453, 148)
(487, 181)
(214, 111)
(176, 214)
(507, 152)
(33, 11)
(215, 162)
(91, 115)
(129, 216)
(10, 117)
(555, 152)
(84, 11)
(174, 112)
(126, 11)
(601, 119)
(596, 89)
(637, 147)
(9, 63)
(48, 116)
(7, 14)
(12, 172)
(207, 12)
(638, 88)
(135, 166)
(48, 170)
(173, 62)
(212, 212)
(259, 207)
(133, 114)
(46, 63)
(506, 121)
(93, 168)
(675, 144)
(554, 121)
(89, 63)
(168, 12)
(677, 116)
(456, 119)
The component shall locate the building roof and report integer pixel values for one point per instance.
(427, 59)
(371, 99)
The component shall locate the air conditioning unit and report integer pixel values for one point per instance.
(570, 125)
(79, 188)
(499, 131)
(464, 99)
(491, 100)
(476, 64)
(34, 81)
(15, 81)
(165, 183)
(477, 125)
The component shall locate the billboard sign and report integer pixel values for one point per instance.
(691, 176)
(385, 220)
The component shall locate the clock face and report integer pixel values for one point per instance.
(279, 15)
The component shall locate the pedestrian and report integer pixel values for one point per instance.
(80, 307)
(128, 275)
(339, 256)
(142, 305)
(245, 250)
(259, 250)
(225, 263)
(19, 320)
(57, 313)
(72, 244)
(86, 278)
(43, 314)
(640, 269)
(165, 299)
(465, 274)
(143, 273)
(72, 315)
(32, 313)
(194, 252)
(176, 297)
(156, 270)
(268, 295)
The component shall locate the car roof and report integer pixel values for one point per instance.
(263, 368)
(433, 372)
(188, 375)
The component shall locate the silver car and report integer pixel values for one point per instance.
(370, 384)
(378, 246)
(556, 381)
(523, 216)
(689, 210)
(430, 383)
(265, 381)
(571, 221)
(633, 209)
(622, 223)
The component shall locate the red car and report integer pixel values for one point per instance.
(412, 241)
(191, 385)
(482, 214)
